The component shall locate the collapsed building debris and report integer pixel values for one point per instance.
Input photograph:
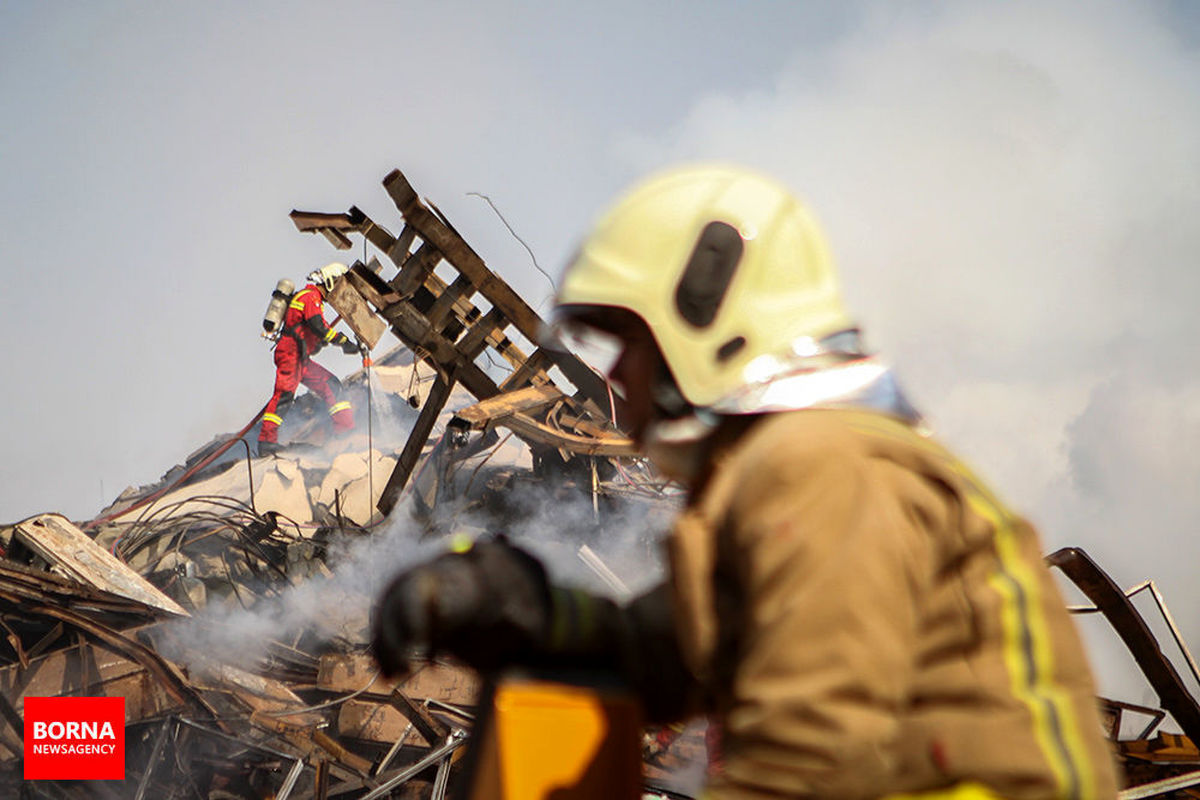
(123, 604)
(150, 600)
(440, 319)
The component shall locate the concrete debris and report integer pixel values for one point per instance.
(227, 603)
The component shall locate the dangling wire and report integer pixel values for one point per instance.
(528, 249)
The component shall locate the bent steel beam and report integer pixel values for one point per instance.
(1134, 632)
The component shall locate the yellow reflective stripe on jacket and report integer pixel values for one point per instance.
(298, 299)
(1028, 653)
(1030, 659)
(342, 406)
(269, 417)
(329, 334)
(962, 791)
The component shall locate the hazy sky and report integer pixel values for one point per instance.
(1012, 189)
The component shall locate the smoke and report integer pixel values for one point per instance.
(1011, 190)
(330, 607)
(625, 534)
(334, 605)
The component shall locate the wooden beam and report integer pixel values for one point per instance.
(349, 302)
(528, 401)
(460, 254)
(455, 250)
(341, 673)
(460, 289)
(432, 729)
(313, 221)
(531, 371)
(73, 553)
(531, 430)
(438, 396)
(413, 329)
(473, 342)
(415, 268)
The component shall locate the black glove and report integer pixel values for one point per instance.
(493, 607)
(489, 606)
(348, 347)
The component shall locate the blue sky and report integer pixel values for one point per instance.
(1011, 188)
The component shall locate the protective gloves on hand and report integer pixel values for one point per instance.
(488, 606)
(348, 346)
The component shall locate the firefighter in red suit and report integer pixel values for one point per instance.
(303, 334)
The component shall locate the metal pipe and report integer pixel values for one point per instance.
(387, 759)
(1187, 654)
(250, 473)
(153, 762)
(453, 709)
(439, 782)
(289, 782)
(235, 740)
(1161, 602)
(1093, 608)
(457, 737)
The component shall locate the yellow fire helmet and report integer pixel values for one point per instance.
(327, 275)
(727, 269)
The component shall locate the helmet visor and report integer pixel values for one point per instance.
(598, 335)
(597, 347)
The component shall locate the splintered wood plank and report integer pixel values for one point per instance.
(460, 289)
(74, 554)
(529, 429)
(413, 329)
(415, 268)
(480, 333)
(314, 221)
(459, 253)
(455, 250)
(528, 400)
(416, 442)
(352, 672)
(398, 250)
(349, 302)
(532, 371)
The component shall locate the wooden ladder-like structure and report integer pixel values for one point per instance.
(455, 324)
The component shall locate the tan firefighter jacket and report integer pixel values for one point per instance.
(870, 620)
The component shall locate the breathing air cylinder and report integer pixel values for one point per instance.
(280, 297)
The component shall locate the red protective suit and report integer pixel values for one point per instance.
(304, 333)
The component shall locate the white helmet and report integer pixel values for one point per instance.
(327, 275)
(727, 269)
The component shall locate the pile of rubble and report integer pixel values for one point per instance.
(140, 602)
(174, 597)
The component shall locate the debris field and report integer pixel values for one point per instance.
(228, 602)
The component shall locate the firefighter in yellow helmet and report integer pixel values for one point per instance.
(859, 611)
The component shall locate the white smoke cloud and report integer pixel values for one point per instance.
(1011, 189)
